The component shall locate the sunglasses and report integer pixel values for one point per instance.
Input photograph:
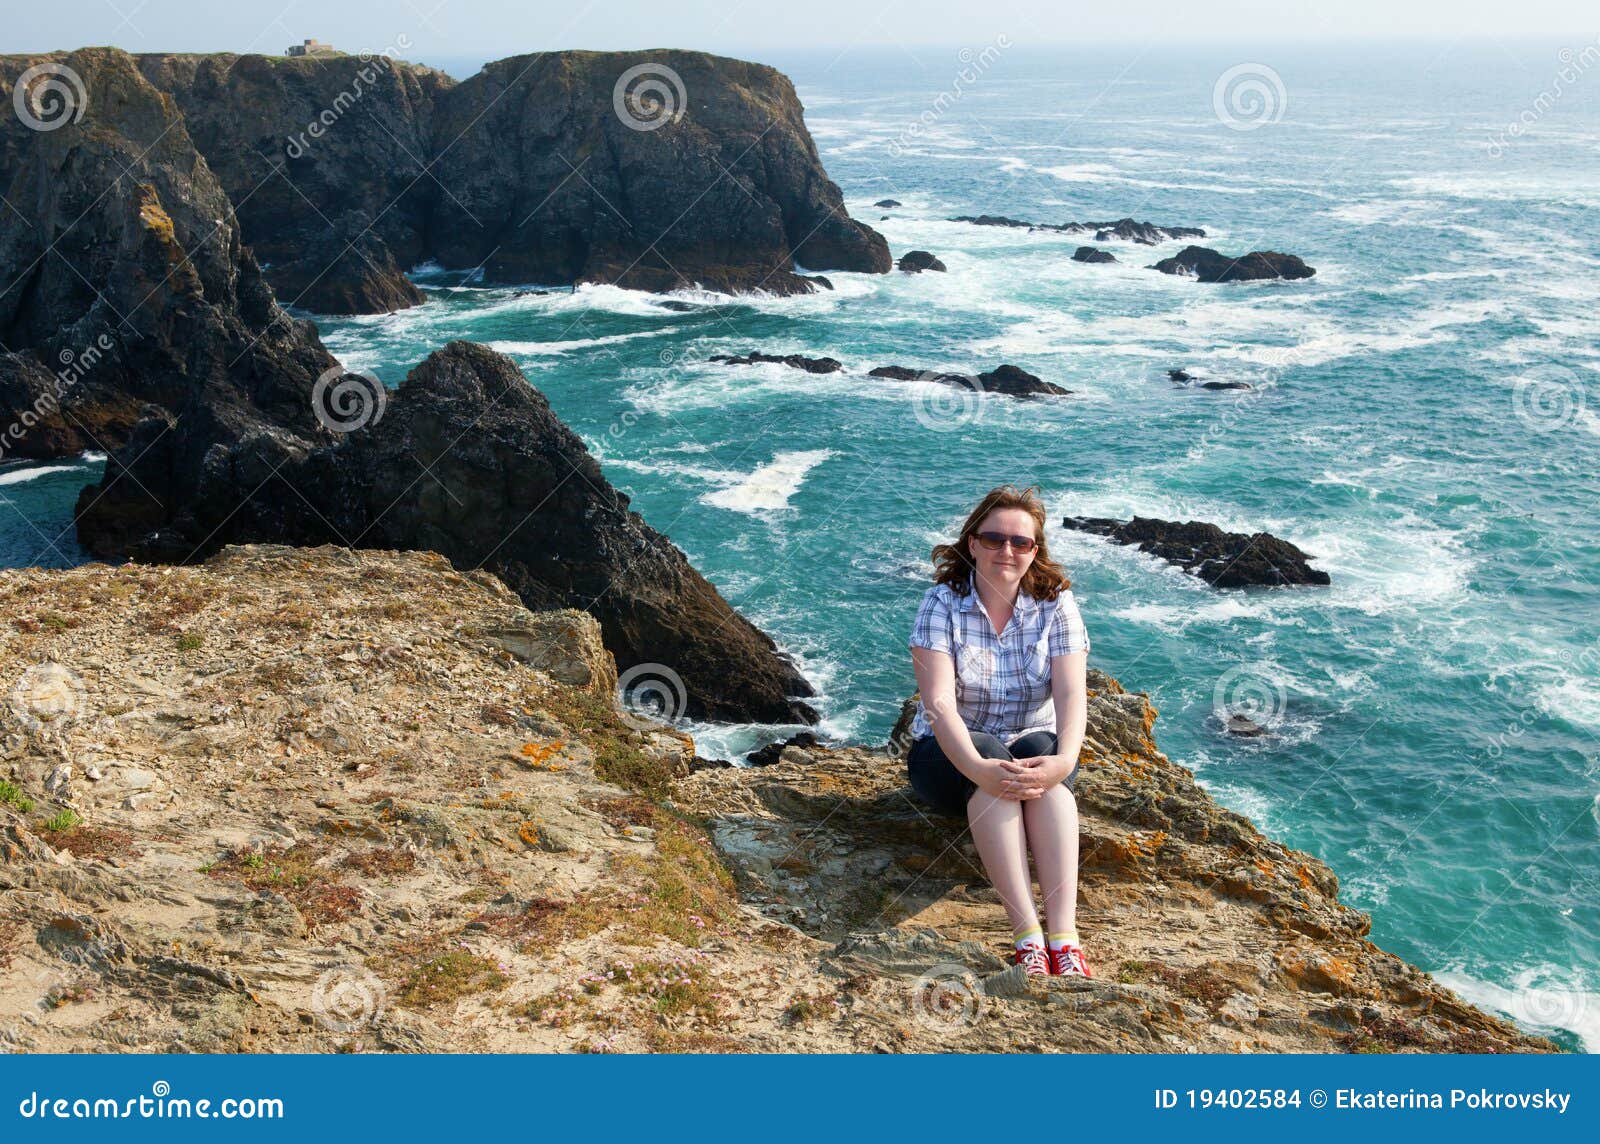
(994, 541)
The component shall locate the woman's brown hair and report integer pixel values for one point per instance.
(1044, 578)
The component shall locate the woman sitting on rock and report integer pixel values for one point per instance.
(999, 651)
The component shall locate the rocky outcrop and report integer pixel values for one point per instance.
(1223, 559)
(887, 203)
(1010, 380)
(1143, 233)
(916, 261)
(1124, 229)
(538, 168)
(793, 361)
(1207, 265)
(226, 420)
(126, 280)
(1092, 254)
(325, 161)
(465, 459)
(1202, 934)
(322, 800)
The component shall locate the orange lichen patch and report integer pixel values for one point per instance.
(1326, 973)
(1264, 866)
(538, 755)
(529, 833)
(1303, 873)
(1129, 850)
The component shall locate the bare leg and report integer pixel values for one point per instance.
(1051, 823)
(997, 828)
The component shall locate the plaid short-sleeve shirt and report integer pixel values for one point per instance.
(1002, 681)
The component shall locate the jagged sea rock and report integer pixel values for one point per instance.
(1126, 229)
(468, 460)
(1206, 265)
(793, 361)
(127, 280)
(1010, 380)
(1223, 559)
(1092, 254)
(204, 401)
(534, 169)
(916, 261)
(1143, 233)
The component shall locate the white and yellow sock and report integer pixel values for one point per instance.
(1059, 941)
(1032, 936)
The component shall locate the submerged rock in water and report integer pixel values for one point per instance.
(793, 361)
(916, 261)
(1006, 379)
(886, 203)
(1126, 229)
(1207, 265)
(1092, 254)
(1143, 233)
(1237, 724)
(1224, 559)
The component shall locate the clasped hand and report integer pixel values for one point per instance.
(1030, 778)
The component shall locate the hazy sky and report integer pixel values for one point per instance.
(496, 28)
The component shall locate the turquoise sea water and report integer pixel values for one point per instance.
(1426, 423)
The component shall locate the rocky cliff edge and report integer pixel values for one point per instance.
(325, 800)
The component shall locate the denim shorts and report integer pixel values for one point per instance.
(939, 784)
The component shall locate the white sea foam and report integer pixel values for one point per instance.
(769, 488)
(1102, 173)
(538, 349)
(23, 476)
(1543, 998)
(1574, 698)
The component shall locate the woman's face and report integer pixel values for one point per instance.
(1003, 567)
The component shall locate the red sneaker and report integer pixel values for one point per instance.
(1034, 959)
(1068, 961)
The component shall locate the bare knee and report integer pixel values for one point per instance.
(991, 807)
